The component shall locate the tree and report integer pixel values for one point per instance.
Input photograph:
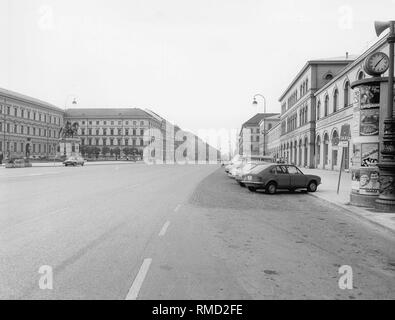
(117, 152)
(83, 150)
(90, 151)
(96, 152)
(105, 151)
(127, 151)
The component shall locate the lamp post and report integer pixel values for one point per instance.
(67, 99)
(386, 200)
(255, 102)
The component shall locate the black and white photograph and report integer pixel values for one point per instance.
(211, 152)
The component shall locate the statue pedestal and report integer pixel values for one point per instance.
(69, 147)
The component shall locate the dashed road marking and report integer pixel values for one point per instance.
(164, 229)
(138, 282)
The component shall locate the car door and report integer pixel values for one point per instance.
(298, 179)
(283, 178)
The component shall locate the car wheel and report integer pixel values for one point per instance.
(312, 187)
(252, 189)
(271, 188)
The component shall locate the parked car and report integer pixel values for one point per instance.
(271, 177)
(241, 172)
(234, 169)
(74, 161)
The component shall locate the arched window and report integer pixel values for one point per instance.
(328, 77)
(361, 75)
(335, 100)
(318, 110)
(346, 94)
(326, 106)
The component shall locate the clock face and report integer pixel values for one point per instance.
(377, 63)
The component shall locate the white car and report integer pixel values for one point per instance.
(243, 170)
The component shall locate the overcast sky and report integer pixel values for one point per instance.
(195, 62)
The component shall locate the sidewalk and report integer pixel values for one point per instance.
(328, 192)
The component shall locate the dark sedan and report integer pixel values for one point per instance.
(272, 177)
(74, 161)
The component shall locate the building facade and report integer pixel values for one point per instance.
(338, 105)
(114, 131)
(250, 135)
(265, 126)
(31, 128)
(298, 109)
(274, 141)
(28, 126)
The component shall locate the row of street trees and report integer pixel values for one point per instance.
(95, 152)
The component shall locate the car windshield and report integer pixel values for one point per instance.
(249, 166)
(259, 168)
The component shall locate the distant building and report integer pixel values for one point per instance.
(250, 134)
(114, 128)
(28, 125)
(265, 126)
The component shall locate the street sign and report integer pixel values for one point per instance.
(343, 144)
(345, 133)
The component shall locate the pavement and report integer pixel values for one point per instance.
(328, 192)
(180, 232)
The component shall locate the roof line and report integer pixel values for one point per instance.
(357, 61)
(307, 64)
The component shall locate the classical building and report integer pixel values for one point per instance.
(298, 103)
(250, 134)
(273, 137)
(28, 126)
(265, 126)
(31, 128)
(337, 105)
(120, 128)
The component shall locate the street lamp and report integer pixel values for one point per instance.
(255, 102)
(67, 99)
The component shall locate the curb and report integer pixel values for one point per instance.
(355, 212)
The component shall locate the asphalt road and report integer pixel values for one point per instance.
(179, 232)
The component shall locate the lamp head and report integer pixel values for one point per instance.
(74, 101)
(255, 102)
(380, 26)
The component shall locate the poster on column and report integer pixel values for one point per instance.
(369, 154)
(369, 97)
(369, 181)
(369, 122)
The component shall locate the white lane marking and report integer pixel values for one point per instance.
(136, 286)
(164, 229)
(177, 208)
